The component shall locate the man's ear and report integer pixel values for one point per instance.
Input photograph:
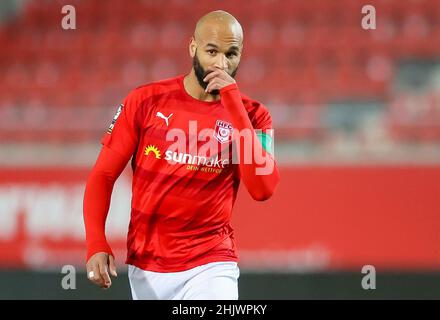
(192, 47)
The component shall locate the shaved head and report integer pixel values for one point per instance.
(217, 42)
(218, 23)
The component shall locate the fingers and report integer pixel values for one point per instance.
(211, 75)
(215, 84)
(98, 268)
(103, 269)
(94, 274)
(216, 72)
(210, 86)
(112, 266)
(217, 79)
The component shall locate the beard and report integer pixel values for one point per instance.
(201, 74)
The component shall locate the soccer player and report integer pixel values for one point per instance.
(180, 241)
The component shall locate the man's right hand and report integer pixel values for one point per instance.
(98, 268)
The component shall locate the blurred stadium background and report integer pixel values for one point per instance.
(357, 130)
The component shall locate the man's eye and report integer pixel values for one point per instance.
(211, 52)
(232, 54)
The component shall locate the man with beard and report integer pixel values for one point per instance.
(180, 242)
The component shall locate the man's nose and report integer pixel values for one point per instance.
(222, 62)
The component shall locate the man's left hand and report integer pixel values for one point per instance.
(217, 79)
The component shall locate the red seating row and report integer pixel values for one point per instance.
(296, 52)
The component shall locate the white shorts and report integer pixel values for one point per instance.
(212, 281)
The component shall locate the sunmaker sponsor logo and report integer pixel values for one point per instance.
(194, 162)
(186, 158)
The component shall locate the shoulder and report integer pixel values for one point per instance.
(154, 89)
(253, 105)
(258, 113)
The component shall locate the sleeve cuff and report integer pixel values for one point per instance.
(232, 86)
(98, 247)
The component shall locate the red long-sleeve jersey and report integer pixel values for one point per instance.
(182, 193)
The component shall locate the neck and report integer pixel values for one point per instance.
(193, 88)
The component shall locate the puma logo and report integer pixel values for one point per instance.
(160, 115)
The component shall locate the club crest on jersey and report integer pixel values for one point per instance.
(223, 131)
(112, 125)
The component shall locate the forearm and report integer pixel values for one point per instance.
(97, 198)
(96, 205)
(253, 158)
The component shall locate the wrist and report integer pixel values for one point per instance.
(229, 87)
(99, 246)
